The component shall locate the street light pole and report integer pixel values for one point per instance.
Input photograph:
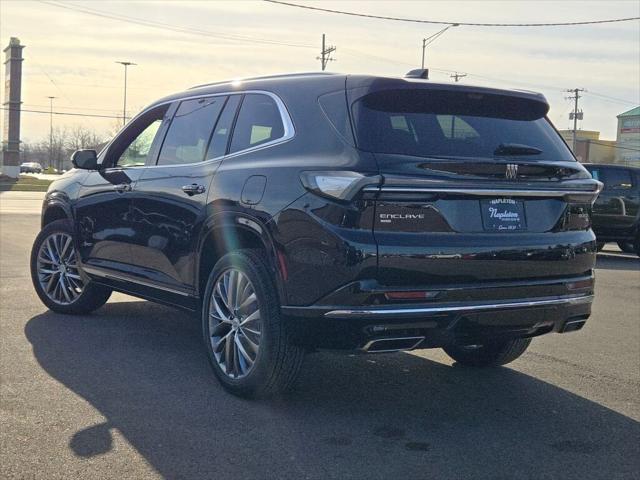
(50, 129)
(426, 41)
(124, 107)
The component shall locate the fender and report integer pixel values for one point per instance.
(221, 224)
(56, 200)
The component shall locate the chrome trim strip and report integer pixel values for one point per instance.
(98, 272)
(484, 191)
(383, 312)
(288, 134)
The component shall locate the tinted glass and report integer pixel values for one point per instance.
(137, 152)
(595, 172)
(455, 124)
(334, 106)
(218, 144)
(190, 131)
(617, 179)
(258, 122)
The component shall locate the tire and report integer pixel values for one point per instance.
(600, 246)
(627, 247)
(247, 372)
(491, 354)
(74, 294)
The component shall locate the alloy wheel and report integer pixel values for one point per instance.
(57, 269)
(235, 326)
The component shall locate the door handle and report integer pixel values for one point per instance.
(123, 187)
(193, 189)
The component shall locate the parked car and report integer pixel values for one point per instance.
(616, 212)
(314, 211)
(30, 167)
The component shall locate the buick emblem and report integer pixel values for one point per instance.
(512, 171)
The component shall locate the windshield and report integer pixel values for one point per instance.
(431, 123)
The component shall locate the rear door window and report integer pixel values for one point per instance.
(220, 137)
(258, 122)
(190, 131)
(452, 124)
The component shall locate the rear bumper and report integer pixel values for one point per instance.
(438, 325)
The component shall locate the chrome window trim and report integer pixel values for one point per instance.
(289, 129)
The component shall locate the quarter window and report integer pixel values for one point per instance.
(190, 131)
(258, 122)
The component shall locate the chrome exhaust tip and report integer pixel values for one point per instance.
(392, 344)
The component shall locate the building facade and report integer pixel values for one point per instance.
(628, 138)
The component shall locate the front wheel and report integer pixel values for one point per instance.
(246, 339)
(490, 354)
(56, 276)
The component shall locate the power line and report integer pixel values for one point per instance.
(72, 114)
(73, 108)
(613, 146)
(175, 28)
(611, 99)
(413, 20)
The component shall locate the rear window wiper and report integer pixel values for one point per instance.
(506, 149)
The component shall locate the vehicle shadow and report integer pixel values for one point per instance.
(377, 416)
(628, 262)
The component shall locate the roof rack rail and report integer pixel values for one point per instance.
(263, 77)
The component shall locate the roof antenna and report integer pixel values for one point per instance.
(418, 73)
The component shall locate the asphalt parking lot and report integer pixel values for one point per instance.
(127, 393)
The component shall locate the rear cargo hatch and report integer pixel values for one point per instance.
(476, 186)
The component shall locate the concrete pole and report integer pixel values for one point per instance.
(10, 156)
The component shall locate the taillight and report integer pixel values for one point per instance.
(339, 185)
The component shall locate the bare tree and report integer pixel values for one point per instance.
(64, 142)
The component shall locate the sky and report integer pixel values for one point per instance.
(72, 55)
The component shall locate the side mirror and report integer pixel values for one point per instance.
(85, 159)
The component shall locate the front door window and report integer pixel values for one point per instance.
(136, 153)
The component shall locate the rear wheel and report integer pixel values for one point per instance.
(246, 339)
(56, 275)
(490, 354)
(627, 246)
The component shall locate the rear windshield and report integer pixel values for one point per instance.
(445, 124)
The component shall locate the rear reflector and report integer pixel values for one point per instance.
(581, 284)
(410, 295)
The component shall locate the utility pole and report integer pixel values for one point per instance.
(575, 115)
(124, 108)
(457, 76)
(51, 130)
(430, 39)
(325, 54)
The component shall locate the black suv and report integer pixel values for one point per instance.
(616, 212)
(330, 211)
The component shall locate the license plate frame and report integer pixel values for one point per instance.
(503, 215)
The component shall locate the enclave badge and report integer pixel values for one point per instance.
(511, 171)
